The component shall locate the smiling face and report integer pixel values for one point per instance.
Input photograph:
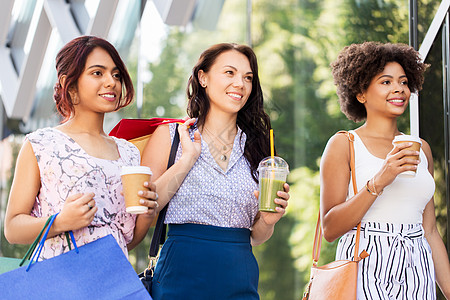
(228, 83)
(99, 86)
(388, 92)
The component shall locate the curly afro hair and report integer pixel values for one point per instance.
(357, 64)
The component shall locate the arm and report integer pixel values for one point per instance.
(20, 226)
(156, 156)
(339, 215)
(264, 224)
(440, 257)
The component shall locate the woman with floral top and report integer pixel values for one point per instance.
(74, 169)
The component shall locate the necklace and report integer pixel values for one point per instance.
(221, 151)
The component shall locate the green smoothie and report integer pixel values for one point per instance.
(268, 189)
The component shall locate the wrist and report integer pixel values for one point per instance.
(187, 160)
(145, 219)
(372, 189)
(264, 225)
(377, 188)
(58, 226)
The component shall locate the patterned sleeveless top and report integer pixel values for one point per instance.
(66, 169)
(212, 196)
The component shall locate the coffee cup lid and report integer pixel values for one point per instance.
(407, 138)
(274, 162)
(135, 170)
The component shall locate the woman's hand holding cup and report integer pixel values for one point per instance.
(271, 218)
(149, 198)
(401, 161)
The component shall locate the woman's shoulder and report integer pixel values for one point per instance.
(126, 146)
(47, 133)
(341, 139)
(337, 147)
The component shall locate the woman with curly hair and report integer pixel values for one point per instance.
(398, 225)
(74, 168)
(213, 215)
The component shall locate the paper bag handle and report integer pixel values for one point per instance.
(48, 224)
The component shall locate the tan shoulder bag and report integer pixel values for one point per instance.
(336, 280)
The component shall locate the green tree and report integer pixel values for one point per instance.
(164, 94)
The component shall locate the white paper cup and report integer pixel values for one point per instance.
(417, 143)
(133, 178)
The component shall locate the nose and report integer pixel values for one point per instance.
(110, 81)
(238, 81)
(399, 88)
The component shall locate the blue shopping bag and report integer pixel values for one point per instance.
(98, 270)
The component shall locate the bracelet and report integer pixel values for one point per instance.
(374, 193)
(374, 189)
(367, 188)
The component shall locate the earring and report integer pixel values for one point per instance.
(203, 85)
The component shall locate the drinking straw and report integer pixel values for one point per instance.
(272, 151)
(271, 144)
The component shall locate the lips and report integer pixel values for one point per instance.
(235, 96)
(397, 101)
(108, 96)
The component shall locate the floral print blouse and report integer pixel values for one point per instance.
(66, 169)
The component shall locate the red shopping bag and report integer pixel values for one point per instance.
(138, 131)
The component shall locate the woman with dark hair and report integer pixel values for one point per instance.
(398, 224)
(213, 210)
(74, 169)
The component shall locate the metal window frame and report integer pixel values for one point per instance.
(440, 20)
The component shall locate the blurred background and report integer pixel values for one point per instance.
(295, 41)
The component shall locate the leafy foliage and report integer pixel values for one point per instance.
(295, 42)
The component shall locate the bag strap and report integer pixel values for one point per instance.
(35, 243)
(47, 227)
(159, 235)
(318, 234)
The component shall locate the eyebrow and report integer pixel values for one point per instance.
(390, 76)
(101, 67)
(236, 69)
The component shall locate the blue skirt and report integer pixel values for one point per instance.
(206, 262)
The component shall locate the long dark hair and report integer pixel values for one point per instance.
(71, 61)
(251, 118)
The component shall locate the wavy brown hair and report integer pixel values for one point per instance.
(70, 63)
(357, 64)
(252, 118)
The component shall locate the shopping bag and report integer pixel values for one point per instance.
(138, 131)
(10, 263)
(98, 270)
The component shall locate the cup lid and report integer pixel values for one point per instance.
(407, 138)
(274, 162)
(135, 169)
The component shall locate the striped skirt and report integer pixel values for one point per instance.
(400, 265)
(203, 262)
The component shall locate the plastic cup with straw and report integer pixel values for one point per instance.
(273, 171)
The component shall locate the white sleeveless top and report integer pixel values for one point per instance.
(403, 201)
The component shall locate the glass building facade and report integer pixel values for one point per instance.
(295, 41)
